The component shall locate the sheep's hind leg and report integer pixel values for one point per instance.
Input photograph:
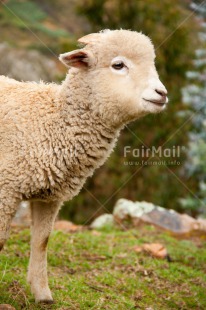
(8, 209)
(43, 216)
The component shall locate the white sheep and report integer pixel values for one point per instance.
(53, 137)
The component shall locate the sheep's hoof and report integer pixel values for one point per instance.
(45, 301)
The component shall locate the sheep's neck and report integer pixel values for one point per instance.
(90, 140)
(79, 111)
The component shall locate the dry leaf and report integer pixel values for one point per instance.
(154, 249)
(93, 257)
(66, 226)
(138, 249)
(122, 255)
(6, 307)
(96, 233)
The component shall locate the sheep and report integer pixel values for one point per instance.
(53, 137)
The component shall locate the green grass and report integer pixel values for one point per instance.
(88, 271)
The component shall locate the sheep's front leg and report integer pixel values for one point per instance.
(43, 216)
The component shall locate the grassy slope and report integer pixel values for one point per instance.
(90, 271)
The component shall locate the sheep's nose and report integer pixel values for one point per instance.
(162, 92)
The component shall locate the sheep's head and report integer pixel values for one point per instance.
(119, 65)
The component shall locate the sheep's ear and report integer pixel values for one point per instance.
(93, 37)
(77, 59)
(90, 38)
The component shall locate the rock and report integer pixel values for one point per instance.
(200, 224)
(6, 307)
(23, 215)
(26, 65)
(66, 226)
(102, 221)
(126, 208)
(138, 213)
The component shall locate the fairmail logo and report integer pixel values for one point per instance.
(160, 152)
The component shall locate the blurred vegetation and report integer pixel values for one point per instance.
(33, 24)
(173, 30)
(194, 96)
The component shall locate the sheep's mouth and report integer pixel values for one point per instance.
(159, 103)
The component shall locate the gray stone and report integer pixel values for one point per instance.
(102, 221)
(127, 208)
(26, 65)
(23, 215)
(137, 213)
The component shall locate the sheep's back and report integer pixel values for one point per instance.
(26, 109)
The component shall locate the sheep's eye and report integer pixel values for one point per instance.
(118, 65)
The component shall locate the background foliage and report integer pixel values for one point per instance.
(194, 96)
(54, 27)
